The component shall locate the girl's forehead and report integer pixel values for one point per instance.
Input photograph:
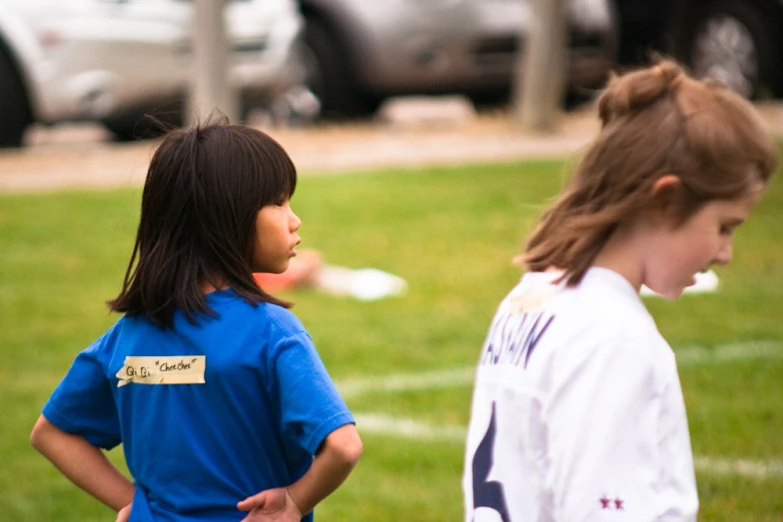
(738, 207)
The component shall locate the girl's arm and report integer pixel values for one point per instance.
(339, 454)
(84, 464)
(337, 457)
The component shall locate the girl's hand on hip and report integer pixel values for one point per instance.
(271, 505)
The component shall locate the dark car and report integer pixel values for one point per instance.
(739, 42)
(362, 51)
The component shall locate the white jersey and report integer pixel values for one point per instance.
(577, 412)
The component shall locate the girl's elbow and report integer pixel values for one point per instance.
(43, 433)
(352, 450)
(39, 433)
(345, 445)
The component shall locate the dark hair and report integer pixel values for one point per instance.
(204, 188)
(654, 121)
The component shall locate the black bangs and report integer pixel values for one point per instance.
(268, 172)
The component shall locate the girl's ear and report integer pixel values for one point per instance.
(664, 196)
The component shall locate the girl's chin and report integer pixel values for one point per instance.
(266, 269)
(671, 294)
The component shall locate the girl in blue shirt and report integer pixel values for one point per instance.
(222, 404)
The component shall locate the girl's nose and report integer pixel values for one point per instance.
(295, 222)
(724, 254)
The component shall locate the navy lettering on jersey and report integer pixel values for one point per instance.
(488, 494)
(513, 337)
(535, 336)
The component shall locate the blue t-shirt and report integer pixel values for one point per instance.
(195, 450)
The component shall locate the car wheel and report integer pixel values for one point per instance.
(14, 109)
(125, 130)
(329, 77)
(145, 124)
(734, 43)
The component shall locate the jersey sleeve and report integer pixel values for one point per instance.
(311, 405)
(83, 403)
(602, 420)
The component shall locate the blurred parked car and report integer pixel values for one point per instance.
(358, 52)
(739, 42)
(113, 61)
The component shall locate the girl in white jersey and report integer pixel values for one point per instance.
(577, 411)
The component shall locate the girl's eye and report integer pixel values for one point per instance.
(730, 226)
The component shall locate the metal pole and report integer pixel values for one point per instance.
(540, 72)
(210, 89)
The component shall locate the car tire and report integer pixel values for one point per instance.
(14, 108)
(329, 77)
(735, 42)
(125, 130)
(144, 125)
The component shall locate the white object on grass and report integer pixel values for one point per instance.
(364, 284)
(706, 282)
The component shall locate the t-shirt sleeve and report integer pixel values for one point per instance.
(83, 403)
(603, 423)
(311, 405)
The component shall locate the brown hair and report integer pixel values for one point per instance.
(204, 188)
(655, 121)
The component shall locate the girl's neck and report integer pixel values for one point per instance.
(622, 255)
(207, 286)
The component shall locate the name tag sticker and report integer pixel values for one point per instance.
(188, 369)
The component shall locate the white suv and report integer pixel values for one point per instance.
(114, 61)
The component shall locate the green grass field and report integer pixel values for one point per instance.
(402, 362)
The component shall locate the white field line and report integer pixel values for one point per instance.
(408, 428)
(411, 429)
(458, 377)
(408, 381)
(695, 355)
(757, 469)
